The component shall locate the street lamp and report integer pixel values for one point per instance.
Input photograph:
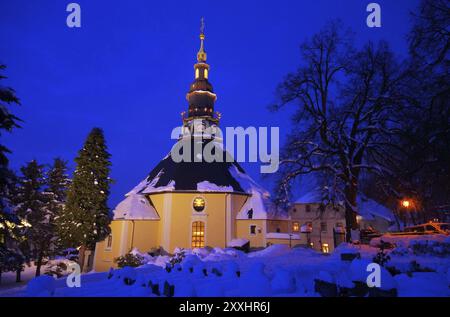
(406, 203)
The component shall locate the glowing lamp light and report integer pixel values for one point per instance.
(406, 203)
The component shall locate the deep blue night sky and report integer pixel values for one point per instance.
(129, 66)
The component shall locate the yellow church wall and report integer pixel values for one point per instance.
(177, 215)
(144, 235)
(126, 235)
(104, 256)
(174, 229)
(243, 231)
(178, 223)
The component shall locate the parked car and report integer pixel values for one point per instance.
(368, 234)
(429, 228)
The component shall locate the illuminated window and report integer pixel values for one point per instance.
(199, 204)
(206, 73)
(109, 242)
(196, 73)
(325, 248)
(198, 234)
(252, 229)
(295, 227)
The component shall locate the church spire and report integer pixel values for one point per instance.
(201, 55)
(201, 96)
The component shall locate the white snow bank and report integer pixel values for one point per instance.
(271, 251)
(283, 281)
(238, 242)
(254, 282)
(422, 284)
(346, 248)
(41, 286)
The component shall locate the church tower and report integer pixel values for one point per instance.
(201, 116)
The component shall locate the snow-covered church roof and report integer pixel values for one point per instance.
(136, 207)
(171, 176)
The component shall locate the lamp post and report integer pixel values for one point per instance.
(407, 204)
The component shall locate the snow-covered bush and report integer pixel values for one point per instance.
(157, 252)
(177, 258)
(401, 251)
(414, 266)
(129, 259)
(430, 247)
(381, 257)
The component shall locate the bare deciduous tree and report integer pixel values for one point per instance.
(344, 123)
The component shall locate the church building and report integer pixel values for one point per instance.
(190, 203)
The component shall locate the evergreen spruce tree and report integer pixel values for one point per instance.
(8, 121)
(86, 216)
(31, 204)
(57, 186)
(8, 231)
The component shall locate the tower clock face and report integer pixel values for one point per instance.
(199, 204)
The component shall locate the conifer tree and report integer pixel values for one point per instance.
(8, 232)
(86, 216)
(31, 204)
(57, 186)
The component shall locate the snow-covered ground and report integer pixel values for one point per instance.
(274, 271)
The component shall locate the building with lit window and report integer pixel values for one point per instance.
(322, 226)
(190, 203)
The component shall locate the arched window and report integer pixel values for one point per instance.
(198, 234)
(206, 73)
(196, 73)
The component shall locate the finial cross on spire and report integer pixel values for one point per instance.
(202, 25)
